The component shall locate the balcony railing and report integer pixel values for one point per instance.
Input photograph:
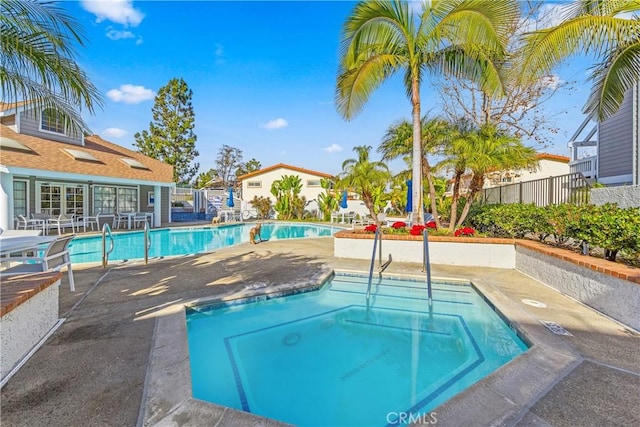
(587, 166)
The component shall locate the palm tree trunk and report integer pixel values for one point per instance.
(454, 200)
(432, 191)
(416, 173)
(474, 189)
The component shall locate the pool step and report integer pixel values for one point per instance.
(388, 289)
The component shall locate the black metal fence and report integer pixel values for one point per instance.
(570, 188)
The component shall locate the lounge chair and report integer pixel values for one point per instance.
(55, 256)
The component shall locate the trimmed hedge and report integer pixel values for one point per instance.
(608, 227)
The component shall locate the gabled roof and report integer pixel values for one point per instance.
(554, 157)
(283, 166)
(95, 158)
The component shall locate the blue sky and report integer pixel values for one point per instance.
(262, 74)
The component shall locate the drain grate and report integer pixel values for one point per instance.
(555, 328)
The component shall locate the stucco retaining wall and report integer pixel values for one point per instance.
(625, 196)
(617, 298)
(23, 327)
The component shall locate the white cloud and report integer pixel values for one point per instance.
(553, 81)
(333, 148)
(139, 40)
(549, 15)
(117, 34)
(114, 133)
(276, 124)
(118, 11)
(130, 94)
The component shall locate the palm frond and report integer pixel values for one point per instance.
(611, 81)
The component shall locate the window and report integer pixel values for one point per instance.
(74, 200)
(109, 200)
(20, 198)
(313, 183)
(254, 184)
(52, 121)
(151, 199)
(51, 199)
(127, 199)
(56, 199)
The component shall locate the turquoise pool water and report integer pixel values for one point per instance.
(323, 358)
(188, 240)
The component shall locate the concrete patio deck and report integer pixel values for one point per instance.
(94, 369)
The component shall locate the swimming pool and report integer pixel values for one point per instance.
(188, 240)
(324, 358)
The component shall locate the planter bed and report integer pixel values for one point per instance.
(609, 287)
(29, 310)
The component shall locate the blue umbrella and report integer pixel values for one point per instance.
(230, 198)
(409, 206)
(343, 202)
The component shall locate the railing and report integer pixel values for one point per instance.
(373, 260)
(147, 242)
(586, 166)
(106, 232)
(381, 266)
(570, 188)
(427, 264)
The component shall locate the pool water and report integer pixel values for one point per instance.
(323, 358)
(188, 240)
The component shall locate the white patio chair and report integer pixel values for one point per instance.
(119, 219)
(140, 218)
(61, 222)
(55, 256)
(91, 220)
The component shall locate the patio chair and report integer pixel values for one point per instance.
(140, 218)
(91, 220)
(30, 224)
(55, 256)
(61, 222)
(119, 219)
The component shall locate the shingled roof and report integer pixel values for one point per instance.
(284, 166)
(96, 157)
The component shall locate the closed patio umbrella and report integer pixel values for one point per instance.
(343, 201)
(230, 198)
(409, 206)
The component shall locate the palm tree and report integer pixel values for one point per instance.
(367, 178)
(398, 142)
(457, 37)
(593, 27)
(37, 59)
(478, 152)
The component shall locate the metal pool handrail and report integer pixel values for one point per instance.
(147, 242)
(427, 264)
(106, 231)
(373, 260)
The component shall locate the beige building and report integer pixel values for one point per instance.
(548, 165)
(258, 183)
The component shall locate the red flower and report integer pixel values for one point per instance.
(399, 224)
(431, 224)
(371, 228)
(464, 231)
(416, 230)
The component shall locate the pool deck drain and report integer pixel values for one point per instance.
(121, 357)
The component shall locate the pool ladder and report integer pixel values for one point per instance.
(427, 264)
(381, 266)
(106, 232)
